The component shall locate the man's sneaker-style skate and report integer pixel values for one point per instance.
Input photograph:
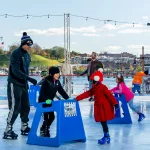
(105, 139)
(141, 117)
(25, 129)
(9, 134)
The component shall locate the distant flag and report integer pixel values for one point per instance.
(1, 44)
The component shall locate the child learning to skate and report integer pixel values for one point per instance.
(43, 76)
(103, 105)
(49, 87)
(123, 89)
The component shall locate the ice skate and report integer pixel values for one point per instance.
(25, 129)
(141, 117)
(105, 139)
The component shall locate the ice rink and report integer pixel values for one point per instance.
(135, 136)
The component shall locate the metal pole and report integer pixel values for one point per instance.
(142, 58)
(66, 66)
(1, 38)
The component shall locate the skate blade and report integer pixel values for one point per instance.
(9, 138)
(141, 119)
(25, 134)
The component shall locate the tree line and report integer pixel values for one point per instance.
(55, 52)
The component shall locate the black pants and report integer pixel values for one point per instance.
(48, 119)
(18, 102)
(105, 127)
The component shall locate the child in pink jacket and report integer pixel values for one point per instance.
(123, 89)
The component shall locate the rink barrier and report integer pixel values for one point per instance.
(122, 115)
(69, 125)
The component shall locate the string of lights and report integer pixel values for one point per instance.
(113, 21)
(86, 18)
(28, 16)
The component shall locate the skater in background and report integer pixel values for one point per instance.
(43, 75)
(85, 72)
(17, 88)
(48, 90)
(137, 81)
(104, 103)
(93, 65)
(123, 89)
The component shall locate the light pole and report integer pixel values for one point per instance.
(1, 38)
(1, 44)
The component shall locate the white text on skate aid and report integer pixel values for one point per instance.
(70, 109)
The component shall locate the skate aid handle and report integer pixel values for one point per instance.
(48, 102)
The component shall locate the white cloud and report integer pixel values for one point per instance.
(110, 35)
(145, 17)
(113, 47)
(120, 26)
(131, 25)
(109, 27)
(58, 31)
(48, 32)
(133, 31)
(133, 46)
(89, 29)
(89, 34)
(73, 43)
(85, 31)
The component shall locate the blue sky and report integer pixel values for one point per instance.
(86, 35)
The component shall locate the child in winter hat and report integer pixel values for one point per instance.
(103, 105)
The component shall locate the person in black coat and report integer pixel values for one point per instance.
(50, 86)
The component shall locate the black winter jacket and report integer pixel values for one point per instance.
(49, 89)
(19, 67)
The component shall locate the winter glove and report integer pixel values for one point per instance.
(33, 81)
(48, 101)
(116, 106)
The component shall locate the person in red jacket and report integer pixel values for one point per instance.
(103, 105)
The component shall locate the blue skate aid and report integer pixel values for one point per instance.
(69, 124)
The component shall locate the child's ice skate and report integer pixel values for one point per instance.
(25, 129)
(105, 139)
(44, 131)
(141, 117)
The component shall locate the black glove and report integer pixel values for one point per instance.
(33, 81)
(116, 106)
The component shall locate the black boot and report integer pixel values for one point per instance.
(44, 130)
(9, 134)
(24, 128)
(47, 131)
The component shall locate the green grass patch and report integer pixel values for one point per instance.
(37, 60)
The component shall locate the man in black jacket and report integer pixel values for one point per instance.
(17, 88)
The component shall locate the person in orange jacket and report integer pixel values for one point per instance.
(137, 81)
